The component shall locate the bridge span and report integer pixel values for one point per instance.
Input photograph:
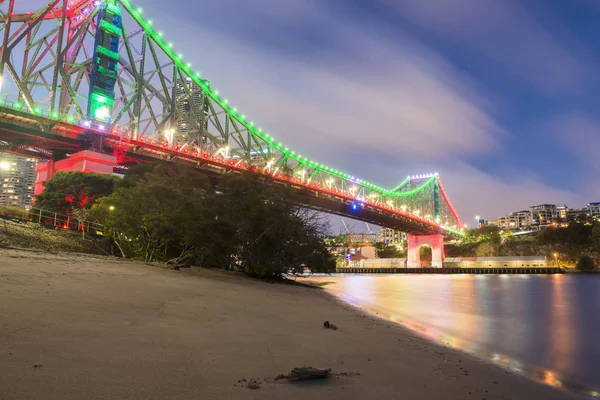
(97, 88)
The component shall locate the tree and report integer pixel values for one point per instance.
(485, 233)
(81, 216)
(160, 216)
(596, 235)
(341, 239)
(272, 235)
(67, 191)
(173, 214)
(385, 250)
(425, 255)
(585, 264)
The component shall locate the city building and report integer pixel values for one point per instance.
(496, 262)
(513, 221)
(17, 180)
(189, 102)
(392, 236)
(594, 210)
(545, 215)
(363, 238)
(577, 215)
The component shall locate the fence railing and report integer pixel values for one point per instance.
(52, 219)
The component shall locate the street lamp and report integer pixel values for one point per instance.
(111, 208)
(556, 259)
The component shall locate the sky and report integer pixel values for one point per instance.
(500, 97)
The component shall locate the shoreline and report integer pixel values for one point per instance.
(73, 327)
(442, 339)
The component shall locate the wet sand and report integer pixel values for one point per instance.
(83, 327)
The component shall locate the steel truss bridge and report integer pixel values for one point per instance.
(89, 74)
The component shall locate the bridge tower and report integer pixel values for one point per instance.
(103, 76)
(105, 63)
(415, 242)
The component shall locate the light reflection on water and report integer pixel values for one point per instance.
(545, 327)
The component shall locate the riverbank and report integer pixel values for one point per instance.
(85, 327)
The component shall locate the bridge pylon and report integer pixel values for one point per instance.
(415, 242)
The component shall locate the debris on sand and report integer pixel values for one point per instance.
(253, 384)
(304, 373)
(329, 325)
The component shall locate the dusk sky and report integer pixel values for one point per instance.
(500, 97)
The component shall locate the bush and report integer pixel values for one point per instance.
(174, 214)
(586, 264)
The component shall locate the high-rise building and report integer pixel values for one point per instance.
(580, 215)
(392, 236)
(513, 221)
(543, 215)
(17, 180)
(188, 100)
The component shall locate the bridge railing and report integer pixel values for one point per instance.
(51, 219)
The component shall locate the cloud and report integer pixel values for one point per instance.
(502, 31)
(579, 136)
(375, 105)
(393, 97)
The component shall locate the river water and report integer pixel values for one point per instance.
(544, 326)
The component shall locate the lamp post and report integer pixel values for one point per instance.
(556, 259)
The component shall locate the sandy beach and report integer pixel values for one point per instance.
(84, 327)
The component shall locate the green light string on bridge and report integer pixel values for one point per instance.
(404, 182)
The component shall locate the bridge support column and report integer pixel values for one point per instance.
(84, 161)
(436, 242)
